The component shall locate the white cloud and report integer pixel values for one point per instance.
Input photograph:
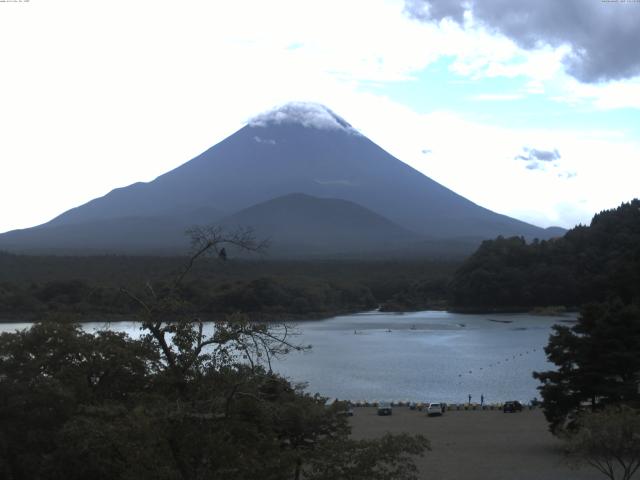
(607, 96)
(98, 95)
(306, 114)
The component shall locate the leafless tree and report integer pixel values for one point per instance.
(186, 348)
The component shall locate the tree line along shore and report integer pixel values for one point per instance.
(88, 286)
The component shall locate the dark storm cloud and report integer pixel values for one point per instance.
(425, 10)
(604, 34)
(534, 155)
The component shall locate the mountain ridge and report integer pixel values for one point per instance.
(306, 149)
(298, 222)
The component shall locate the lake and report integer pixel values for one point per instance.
(419, 356)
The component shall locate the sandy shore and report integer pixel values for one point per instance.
(477, 445)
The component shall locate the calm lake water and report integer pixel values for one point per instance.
(420, 356)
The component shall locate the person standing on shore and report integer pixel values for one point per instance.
(482, 400)
(469, 399)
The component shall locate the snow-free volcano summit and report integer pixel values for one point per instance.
(300, 175)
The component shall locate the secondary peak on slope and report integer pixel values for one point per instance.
(307, 114)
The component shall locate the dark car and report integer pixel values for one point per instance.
(512, 407)
(384, 408)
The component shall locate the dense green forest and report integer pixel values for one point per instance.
(589, 264)
(32, 285)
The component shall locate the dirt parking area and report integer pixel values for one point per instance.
(477, 445)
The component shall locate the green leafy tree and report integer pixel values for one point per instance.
(598, 361)
(47, 373)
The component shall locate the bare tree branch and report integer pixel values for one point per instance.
(207, 238)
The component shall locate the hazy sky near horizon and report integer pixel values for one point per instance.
(531, 109)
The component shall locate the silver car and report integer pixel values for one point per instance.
(435, 409)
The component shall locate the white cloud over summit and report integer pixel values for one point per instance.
(307, 114)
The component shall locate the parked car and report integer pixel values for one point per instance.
(384, 408)
(512, 406)
(435, 409)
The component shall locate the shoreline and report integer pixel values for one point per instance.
(32, 317)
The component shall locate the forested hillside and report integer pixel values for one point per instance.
(589, 264)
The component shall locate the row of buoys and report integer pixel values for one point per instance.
(499, 362)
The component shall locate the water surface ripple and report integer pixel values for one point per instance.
(420, 356)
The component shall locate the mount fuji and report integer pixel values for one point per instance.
(299, 174)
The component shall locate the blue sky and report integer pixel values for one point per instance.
(99, 95)
(499, 100)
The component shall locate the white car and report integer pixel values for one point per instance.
(435, 409)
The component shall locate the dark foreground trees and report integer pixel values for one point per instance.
(598, 363)
(184, 401)
(592, 399)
